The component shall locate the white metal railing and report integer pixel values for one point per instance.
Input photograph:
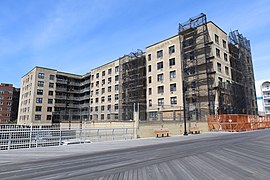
(31, 137)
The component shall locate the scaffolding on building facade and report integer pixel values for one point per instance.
(132, 90)
(197, 69)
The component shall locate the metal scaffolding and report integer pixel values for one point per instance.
(243, 87)
(132, 91)
(197, 67)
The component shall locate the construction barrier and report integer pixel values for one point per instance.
(237, 122)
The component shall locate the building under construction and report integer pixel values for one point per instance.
(132, 90)
(198, 72)
(216, 74)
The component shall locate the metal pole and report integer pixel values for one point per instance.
(184, 106)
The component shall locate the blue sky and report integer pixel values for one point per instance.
(78, 35)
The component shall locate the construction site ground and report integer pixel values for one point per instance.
(217, 155)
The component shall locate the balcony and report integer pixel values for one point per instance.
(61, 81)
(85, 97)
(85, 90)
(267, 104)
(60, 104)
(60, 97)
(62, 89)
(85, 82)
(74, 83)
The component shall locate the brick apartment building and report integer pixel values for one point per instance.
(9, 102)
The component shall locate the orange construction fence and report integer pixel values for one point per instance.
(237, 122)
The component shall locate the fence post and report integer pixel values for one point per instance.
(9, 140)
(60, 136)
(30, 143)
(37, 138)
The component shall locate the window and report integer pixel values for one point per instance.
(103, 73)
(38, 100)
(172, 74)
(109, 107)
(103, 82)
(41, 75)
(108, 116)
(172, 62)
(50, 101)
(102, 90)
(38, 108)
(97, 91)
(161, 101)
(173, 100)
(149, 57)
(116, 97)
(109, 98)
(110, 89)
(160, 77)
(96, 100)
(103, 99)
(191, 55)
(110, 71)
(160, 89)
(219, 67)
(96, 108)
(224, 44)
(225, 57)
(171, 49)
(172, 87)
(217, 52)
(109, 80)
(216, 39)
(39, 92)
(149, 79)
(102, 108)
(97, 83)
(116, 107)
(160, 65)
(116, 87)
(1, 92)
(49, 117)
(8, 109)
(150, 102)
(40, 83)
(9, 103)
(102, 116)
(149, 68)
(37, 117)
(91, 101)
(50, 93)
(226, 70)
(150, 91)
(51, 77)
(117, 69)
(51, 85)
(160, 54)
(49, 109)
(116, 78)
(97, 75)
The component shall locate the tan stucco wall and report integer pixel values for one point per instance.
(145, 128)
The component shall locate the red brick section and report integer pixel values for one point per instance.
(8, 103)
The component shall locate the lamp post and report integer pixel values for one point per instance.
(184, 108)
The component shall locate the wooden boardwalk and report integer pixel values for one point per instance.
(235, 156)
